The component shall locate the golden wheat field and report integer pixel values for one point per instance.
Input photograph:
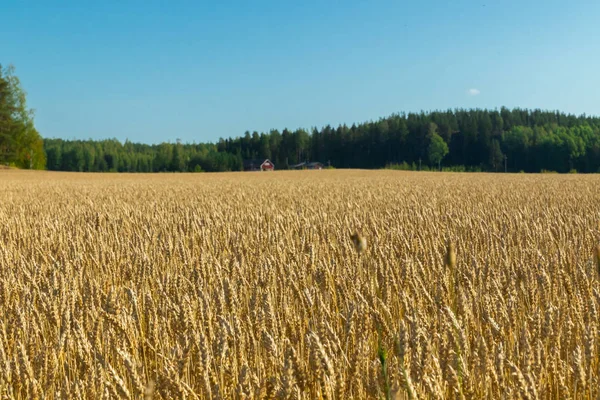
(254, 285)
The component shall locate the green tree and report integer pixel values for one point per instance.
(264, 150)
(20, 143)
(8, 124)
(162, 157)
(88, 157)
(437, 149)
(496, 156)
(178, 159)
(54, 155)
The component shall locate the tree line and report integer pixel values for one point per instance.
(20, 143)
(113, 156)
(474, 139)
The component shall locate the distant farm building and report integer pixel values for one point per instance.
(259, 165)
(308, 165)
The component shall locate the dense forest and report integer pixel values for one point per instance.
(486, 140)
(20, 143)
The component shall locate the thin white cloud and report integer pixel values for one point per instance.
(473, 92)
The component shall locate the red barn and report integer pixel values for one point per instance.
(267, 165)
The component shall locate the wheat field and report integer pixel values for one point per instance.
(299, 285)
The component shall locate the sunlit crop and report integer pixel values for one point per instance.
(299, 285)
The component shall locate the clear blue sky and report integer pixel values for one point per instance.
(156, 71)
